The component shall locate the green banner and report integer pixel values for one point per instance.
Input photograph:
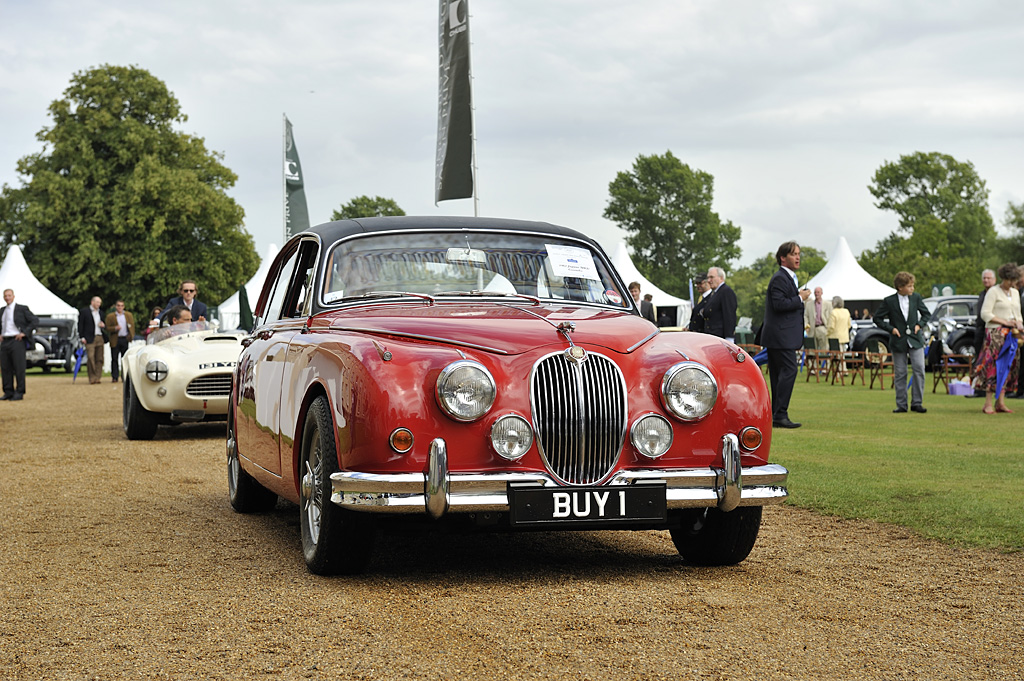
(453, 177)
(296, 215)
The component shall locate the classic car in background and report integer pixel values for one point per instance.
(952, 323)
(181, 375)
(485, 373)
(54, 342)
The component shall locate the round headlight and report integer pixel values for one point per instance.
(689, 391)
(156, 370)
(465, 390)
(511, 437)
(651, 435)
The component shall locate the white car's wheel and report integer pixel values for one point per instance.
(139, 423)
(334, 541)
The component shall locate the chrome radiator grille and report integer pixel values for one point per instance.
(213, 385)
(579, 415)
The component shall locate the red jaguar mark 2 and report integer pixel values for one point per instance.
(489, 373)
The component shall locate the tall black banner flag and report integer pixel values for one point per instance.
(453, 177)
(296, 215)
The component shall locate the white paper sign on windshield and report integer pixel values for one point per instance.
(571, 261)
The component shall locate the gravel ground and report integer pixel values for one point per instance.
(124, 560)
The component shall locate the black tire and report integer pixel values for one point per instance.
(964, 346)
(334, 541)
(139, 423)
(245, 494)
(708, 536)
(69, 361)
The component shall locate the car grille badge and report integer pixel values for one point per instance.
(576, 354)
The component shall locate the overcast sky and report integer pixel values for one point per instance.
(790, 105)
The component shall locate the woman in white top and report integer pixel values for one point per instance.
(1003, 326)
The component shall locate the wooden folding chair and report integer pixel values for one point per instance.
(814, 360)
(880, 365)
(950, 367)
(845, 363)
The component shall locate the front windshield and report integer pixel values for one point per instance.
(166, 332)
(457, 263)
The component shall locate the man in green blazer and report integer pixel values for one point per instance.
(902, 315)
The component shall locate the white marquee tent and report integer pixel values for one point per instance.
(229, 311)
(16, 275)
(624, 264)
(844, 277)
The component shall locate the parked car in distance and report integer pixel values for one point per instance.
(957, 332)
(487, 374)
(182, 374)
(54, 343)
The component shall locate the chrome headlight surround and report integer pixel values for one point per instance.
(689, 391)
(652, 435)
(465, 390)
(156, 370)
(511, 437)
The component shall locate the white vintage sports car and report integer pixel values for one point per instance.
(181, 375)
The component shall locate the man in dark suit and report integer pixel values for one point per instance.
(720, 309)
(17, 323)
(783, 331)
(121, 328)
(902, 315)
(187, 297)
(697, 314)
(646, 307)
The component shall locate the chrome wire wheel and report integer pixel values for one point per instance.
(312, 489)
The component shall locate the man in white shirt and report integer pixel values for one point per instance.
(94, 337)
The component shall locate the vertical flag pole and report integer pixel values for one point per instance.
(284, 182)
(472, 119)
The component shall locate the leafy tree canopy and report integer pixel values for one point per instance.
(1011, 248)
(946, 233)
(365, 207)
(665, 208)
(120, 205)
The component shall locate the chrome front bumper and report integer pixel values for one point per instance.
(438, 491)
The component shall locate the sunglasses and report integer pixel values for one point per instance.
(188, 290)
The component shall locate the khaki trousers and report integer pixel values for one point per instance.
(94, 355)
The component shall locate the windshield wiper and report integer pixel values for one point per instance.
(490, 294)
(392, 294)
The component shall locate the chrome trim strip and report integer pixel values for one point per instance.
(649, 337)
(415, 336)
(730, 491)
(437, 479)
(487, 492)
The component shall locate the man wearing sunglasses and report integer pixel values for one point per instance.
(187, 297)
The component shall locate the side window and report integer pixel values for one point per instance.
(281, 287)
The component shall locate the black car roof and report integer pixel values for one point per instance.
(329, 232)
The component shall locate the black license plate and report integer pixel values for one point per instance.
(586, 505)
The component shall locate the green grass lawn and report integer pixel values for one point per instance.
(953, 474)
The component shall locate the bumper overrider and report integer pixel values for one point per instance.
(439, 491)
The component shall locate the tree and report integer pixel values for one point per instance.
(665, 208)
(946, 233)
(1011, 249)
(365, 207)
(119, 204)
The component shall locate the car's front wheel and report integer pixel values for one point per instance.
(334, 540)
(139, 423)
(245, 494)
(708, 536)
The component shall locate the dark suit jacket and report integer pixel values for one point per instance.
(697, 315)
(889, 317)
(647, 311)
(720, 313)
(111, 322)
(783, 327)
(86, 328)
(198, 308)
(24, 320)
